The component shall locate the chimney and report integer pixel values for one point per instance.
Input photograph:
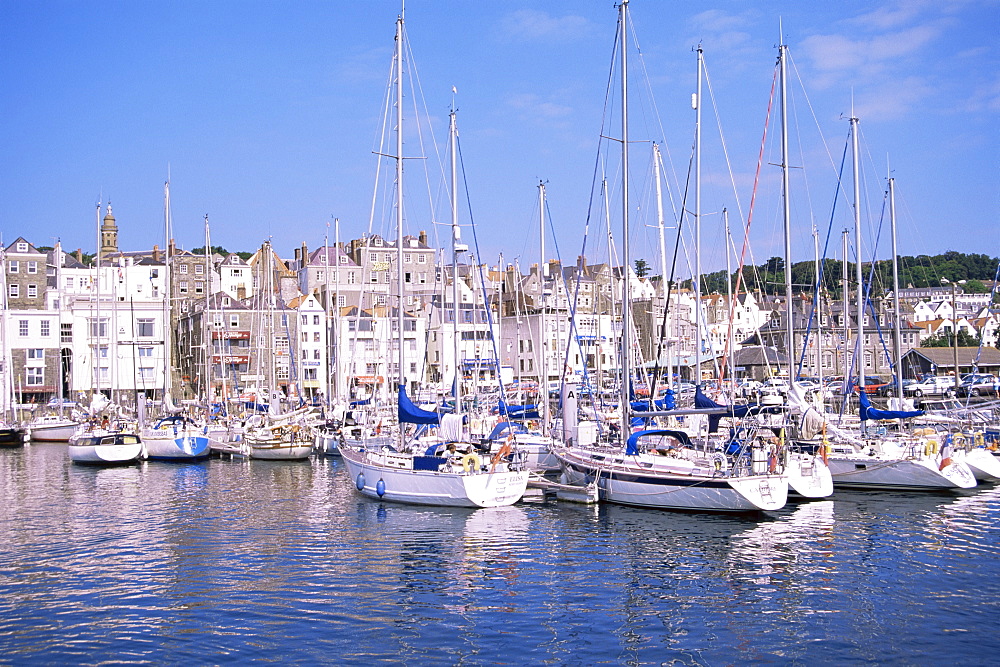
(156, 253)
(422, 237)
(305, 255)
(173, 249)
(79, 255)
(241, 292)
(297, 255)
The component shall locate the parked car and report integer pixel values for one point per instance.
(979, 384)
(935, 385)
(872, 384)
(889, 389)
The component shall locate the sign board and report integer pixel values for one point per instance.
(230, 335)
(247, 377)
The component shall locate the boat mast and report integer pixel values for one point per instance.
(697, 223)
(401, 354)
(819, 310)
(627, 287)
(166, 297)
(663, 259)
(898, 335)
(456, 248)
(860, 343)
(543, 274)
(337, 381)
(731, 337)
(786, 212)
(97, 346)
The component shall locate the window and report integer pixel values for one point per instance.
(145, 372)
(32, 267)
(69, 282)
(154, 273)
(46, 328)
(22, 328)
(374, 276)
(199, 287)
(310, 374)
(351, 278)
(315, 354)
(34, 377)
(305, 354)
(343, 259)
(341, 300)
(184, 268)
(234, 321)
(305, 336)
(407, 258)
(66, 332)
(103, 352)
(315, 319)
(13, 266)
(421, 259)
(381, 299)
(199, 269)
(183, 288)
(36, 354)
(32, 291)
(14, 290)
(216, 320)
(316, 337)
(145, 327)
(22, 247)
(145, 352)
(237, 273)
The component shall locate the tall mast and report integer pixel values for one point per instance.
(543, 273)
(898, 335)
(335, 311)
(697, 224)
(860, 343)
(787, 213)
(456, 248)
(627, 287)
(166, 295)
(205, 326)
(401, 354)
(731, 342)
(663, 257)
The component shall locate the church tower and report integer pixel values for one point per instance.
(109, 234)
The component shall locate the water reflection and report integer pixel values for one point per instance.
(247, 560)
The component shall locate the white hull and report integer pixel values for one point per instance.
(60, 431)
(181, 447)
(376, 475)
(281, 452)
(984, 466)
(911, 474)
(535, 450)
(105, 454)
(648, 480)
(808, 476)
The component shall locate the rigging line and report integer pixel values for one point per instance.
(722, 138)
(753, 198)
(820, 279)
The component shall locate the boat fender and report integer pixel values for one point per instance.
(930, 447)
(360, 482)
(380, 488)
(470, 462)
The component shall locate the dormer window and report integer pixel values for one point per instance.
(22, 247)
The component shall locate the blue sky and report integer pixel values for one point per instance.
(268, 114)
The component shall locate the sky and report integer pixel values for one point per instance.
(267, 117)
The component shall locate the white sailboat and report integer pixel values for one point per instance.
(660, 468)
(174, 437)
(399, 473)
(105, 448)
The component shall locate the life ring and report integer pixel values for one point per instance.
(470, 463)
(930, 447)
(979, 439)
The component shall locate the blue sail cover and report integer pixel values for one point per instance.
(503, 428)
(668, 402)
(411, 414)
(702, 401)
(868, 412)
(632, 448)
(518, 411)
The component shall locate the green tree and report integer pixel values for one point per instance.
(641, 268)
(974, 286)
(944, 339)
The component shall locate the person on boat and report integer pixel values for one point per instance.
(449, 452)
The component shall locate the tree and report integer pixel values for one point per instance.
(974, 286)
(216, 250)
(641, 268)
(944, 339)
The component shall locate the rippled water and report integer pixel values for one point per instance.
(229, 561)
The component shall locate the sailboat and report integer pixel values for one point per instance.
(875, 460)
(174, 437)
(658, 467)
(11, 433)
(408, 473)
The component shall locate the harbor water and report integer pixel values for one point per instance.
(229, 561)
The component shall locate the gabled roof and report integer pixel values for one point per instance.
(945, 356)
(20, 239)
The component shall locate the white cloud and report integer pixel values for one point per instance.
(892, 98)
(534, 25)
(533, 105)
